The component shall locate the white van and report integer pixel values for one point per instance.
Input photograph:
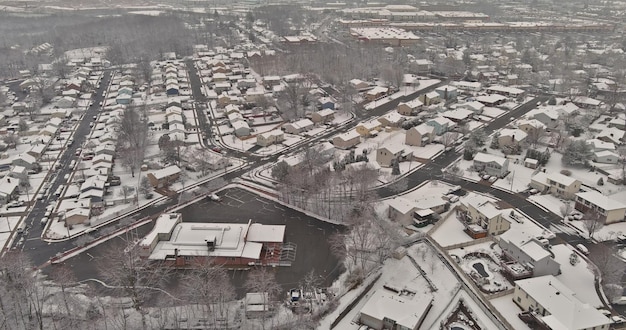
(582, 249)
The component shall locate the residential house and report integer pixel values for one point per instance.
(491, 164)
(529, 253)
(347, 140)
(410, 108)
(164, 177)
(506, 91)
(391, 119)
(548, 117)
(430, 98)
(606, 157)
(326, 103)
(484, 216)
(376, 93)
(387, 153)
(475, 106)
(599, 145)
(323, 116)
(555, 306)
(19, 172)
(447, 92)
(532, 127)
(299, 126)
(368, 128)
(389, 308)
(419, 135)
(76, 216)
(612, 135)
(25, 160)
(8, 189)
(268, 138)
(555, 183)
(491, 100)
(458, 115)
(240, 128)
(359, 85)
(511, 137)
(440, 124)
(608, 209)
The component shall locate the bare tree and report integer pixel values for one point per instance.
(64, 279)
(208, 285)
(263, 281)
(448, 138)
(132, 139)
(609, 267)
(125, 191)
(136, 277)
(294, 99)
(566, 209)
(592, 221)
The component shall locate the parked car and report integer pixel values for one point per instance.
(493, 179)
(215, 198)
(15, 204)
(486, 177)
(548, 234)
(582, 249)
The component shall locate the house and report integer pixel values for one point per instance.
(389, 308)
(222, 243)
(531, 163)
(231, 108)
(268, 138)
(491, 164)
(419, 135)
(528, 252)
(532, 127)
(25, 160)
(548, 117)
(458, 115)
(326, 103)
(323, 116)
(299, 126)
(359, 85)
(391, 119)
(8, 189)
(447, 92)
(423, 65)
(606, 157)
(410, 108)
(76, 216)
(599, 145)
(123, 99)
(164, 177)
(37, 150)
(65, 102)
(484, 216)
(491, 100)
(430, 98)
(612, 135)
(440, 124)
(386, 154)
(506, 91)
(609, 209)
(376, 93)
(475, 106)
(368, 128)
(19, 172)
(240, 128)
(270, 81)
(468, 86)
(511, 137)
(347, 140)
(555, 306)
(556, 184)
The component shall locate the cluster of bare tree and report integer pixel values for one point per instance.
(311, 185)
(133, 138)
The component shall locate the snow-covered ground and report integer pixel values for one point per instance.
(451, 232)
(424, 84)
(509, 310)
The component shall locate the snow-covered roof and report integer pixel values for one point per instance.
(349, 135)
(423, 129)
(491, 98)
(406, 311)
(458, 114)
(266, 234)
(326, 112)
(413, 104)
(566, 310)
(392, 117)
(488, 158)
(166, 172)
(401, 204)
(600, 200)
(272, 133)
(532, 122)
(518, 134)
(504, 89)
(600, 145)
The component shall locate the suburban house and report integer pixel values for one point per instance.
(491, 100)
(458, 115)
(430, 98)
(240, 128)
(599, 145)
(347, 140)
(511, 137)
(556, 184)
(268, 138)
(299, 126)
(548, 117)
(410, 108)
(386, 154)
(368, 128)
(182, 244)
(376, 93)
(532, 127)
(359, 85)
(323, 116)
(164, 177)
(76, 216)
(555, 306)
(483, 216)
(391, 119)
(608, 209)
(440, 124)
(606, 157)
(529, 253)
(326, 103)
(390, 308)
(419, 135)
(613, 135)
(8, 189)
(491, 164)
(25, 160)
(447, 92)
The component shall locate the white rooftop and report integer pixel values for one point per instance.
(405, 311)
(601, 200)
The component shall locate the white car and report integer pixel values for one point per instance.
(493, 179)
(576, 215)
(215, 198)
(486, 177)
(618, 319)
(548, 234)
